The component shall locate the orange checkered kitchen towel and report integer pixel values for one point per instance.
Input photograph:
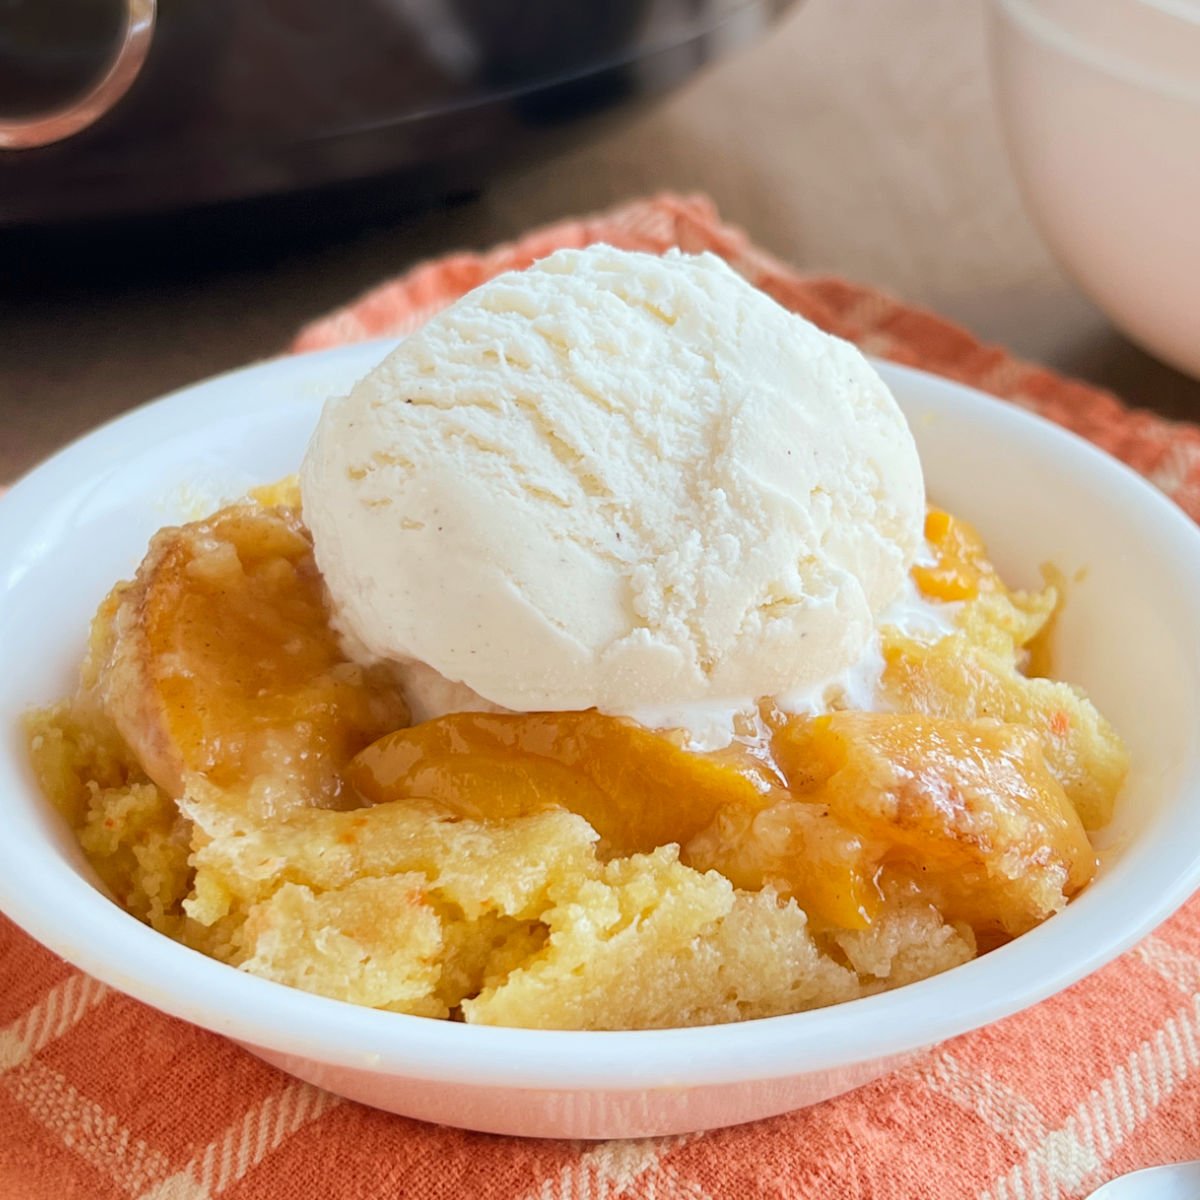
(104, 1099)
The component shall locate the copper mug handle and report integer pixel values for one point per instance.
(60, 123)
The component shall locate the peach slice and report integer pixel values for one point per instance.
(219, 660)
(966, 812)
(962, 570)
(638, 789)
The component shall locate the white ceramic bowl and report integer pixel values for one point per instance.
(1100, 103)
(1130, 634)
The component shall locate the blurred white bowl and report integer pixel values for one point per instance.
(1100, 103)
(1129, 634)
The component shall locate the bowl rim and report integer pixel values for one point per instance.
(1043, 28)
(45, 896)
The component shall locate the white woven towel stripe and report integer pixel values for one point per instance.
(245, 1143)
(1111, 1111)
(59, 1010)
(1002, 1109)
(606, 1169)
(84, 1126)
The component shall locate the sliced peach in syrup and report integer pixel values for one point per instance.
(962, 570)
(219, 660)
(638, 789)
(966, 811)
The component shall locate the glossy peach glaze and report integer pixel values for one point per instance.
(219, 660)
(965, 813)
(962, 570)
(636, 788)
(219, 714)
(840, 812)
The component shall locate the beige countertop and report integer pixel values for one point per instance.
(858, 138)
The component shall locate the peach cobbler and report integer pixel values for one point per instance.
(604, 668)
(243, 787)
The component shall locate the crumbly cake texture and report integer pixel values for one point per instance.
(530, 920)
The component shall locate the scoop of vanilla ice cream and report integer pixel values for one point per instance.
(616, 480)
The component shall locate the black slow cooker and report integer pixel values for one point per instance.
(120, 107)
